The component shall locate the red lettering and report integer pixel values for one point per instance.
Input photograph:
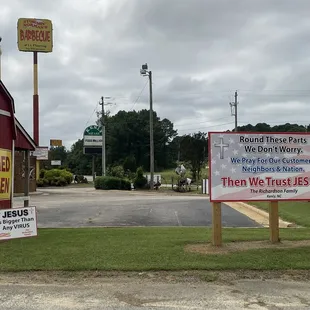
(5, 164)
(301, 181)
(228, 182)
(36, 35)
(256, 182)
(4, 185)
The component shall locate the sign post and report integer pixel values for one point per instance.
(92, 143)
(251, 166)
(216, 224)
(35, 35)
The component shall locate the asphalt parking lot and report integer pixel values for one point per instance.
(85, 207)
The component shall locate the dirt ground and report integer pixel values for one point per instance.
(192, 276)
(208, 249)
(231, 290)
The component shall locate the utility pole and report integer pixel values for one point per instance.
(145, 72)
(151, 133)
(103, 134)
(234, 110)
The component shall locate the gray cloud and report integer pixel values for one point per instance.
(200, 52)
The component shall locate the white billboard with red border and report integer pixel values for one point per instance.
(247, 166)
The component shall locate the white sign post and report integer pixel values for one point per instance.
(41, 153)
(18, 223)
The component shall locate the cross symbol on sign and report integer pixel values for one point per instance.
(222, 146)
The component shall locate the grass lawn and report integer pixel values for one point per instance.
(138, 249)
(168, 174)
(293, 211)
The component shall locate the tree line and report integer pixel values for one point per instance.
(127, 145)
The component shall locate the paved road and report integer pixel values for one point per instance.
(77, 207)
(134, 294)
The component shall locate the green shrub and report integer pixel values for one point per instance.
(116, 171)
(140, 180)
(108, 183)
(58, 177)
(42, 173)
(42, 182)
(61, 181)
(125, 185)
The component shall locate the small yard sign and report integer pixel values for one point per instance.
(18, 223)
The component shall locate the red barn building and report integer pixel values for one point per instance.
(12, 137)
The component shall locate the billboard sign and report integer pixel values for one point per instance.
(55, 143)
(41, 153)
(259, 166)
(55, 162)
(5, 174)
(92, 140)
(18, 223)
(35, 35)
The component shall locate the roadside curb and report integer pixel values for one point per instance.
(22, 196)
(260, 216)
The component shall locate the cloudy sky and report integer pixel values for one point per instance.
(200, 52)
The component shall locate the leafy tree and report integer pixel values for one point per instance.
(128, 142)
(194, 150)
(263, 127)
(80, 163)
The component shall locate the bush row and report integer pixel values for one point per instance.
(54, 177)
(112, 183)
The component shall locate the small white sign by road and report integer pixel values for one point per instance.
(18, 223)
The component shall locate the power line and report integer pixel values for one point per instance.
(186, 129)
(95, 109)
(139, 95)
(217, 119)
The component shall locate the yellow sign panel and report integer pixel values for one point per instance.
(54, 142)
(35, 35)
(5, 174)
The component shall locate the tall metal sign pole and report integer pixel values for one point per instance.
(145, 72)
(35, 35)
(92, 143)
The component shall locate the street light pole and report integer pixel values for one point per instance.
(144, 71)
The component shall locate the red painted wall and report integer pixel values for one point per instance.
(6, 135)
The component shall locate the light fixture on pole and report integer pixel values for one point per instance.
(145, 72)
(102, 103)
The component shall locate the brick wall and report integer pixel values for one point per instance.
(19, 179)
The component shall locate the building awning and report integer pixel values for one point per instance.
(11, 111)
(23, 140)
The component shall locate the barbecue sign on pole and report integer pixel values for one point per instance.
(259, 167)
(35, 35)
